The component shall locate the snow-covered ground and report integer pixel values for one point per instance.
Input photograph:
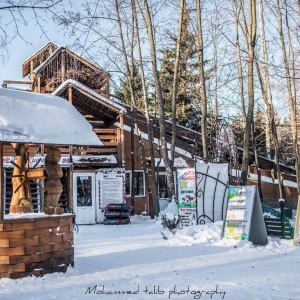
(134, 262)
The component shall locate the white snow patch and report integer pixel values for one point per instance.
(134, 257)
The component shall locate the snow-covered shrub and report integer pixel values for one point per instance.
(170, 221)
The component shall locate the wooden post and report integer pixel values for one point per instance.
(107, 89)
(38, 84)
(122, 140)
(50, 50)
(63, 66)
(1, 183)
(119, 155)
(31, 73)
(70, 99)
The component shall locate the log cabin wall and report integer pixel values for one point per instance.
(36, 246)
(185, 153)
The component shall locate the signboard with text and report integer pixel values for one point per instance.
(110, 188)
(297, 225)
(187, 195)
(244, 217)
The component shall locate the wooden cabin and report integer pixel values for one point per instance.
(65, 73)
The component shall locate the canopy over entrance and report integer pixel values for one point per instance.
(42, 119)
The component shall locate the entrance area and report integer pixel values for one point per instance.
(84, 197)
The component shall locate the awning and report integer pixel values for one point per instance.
(42, 119)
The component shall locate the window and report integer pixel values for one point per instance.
(163, 186)
(128, 183)
(139, 183)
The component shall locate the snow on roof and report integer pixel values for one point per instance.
(88, 90)
(50, 58)
(39, 50)
(42, 119)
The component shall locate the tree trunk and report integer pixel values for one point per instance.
(292, 100)
(240, 65)
(257, 164)
(249, 118)
(265, 78)
(175, 80)
(152, 196)
(203, 98)
(163, 142)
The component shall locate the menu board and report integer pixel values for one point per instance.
(110, 188)
(244, 217)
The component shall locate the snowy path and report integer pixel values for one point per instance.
(195, 262)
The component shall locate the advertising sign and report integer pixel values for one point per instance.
(244, 217)
(297, 225)
(187, 195)
(239, 209)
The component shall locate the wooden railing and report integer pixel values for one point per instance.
(111, 144)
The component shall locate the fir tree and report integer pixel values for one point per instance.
(188, 113)
(123, 93)
(260, 131)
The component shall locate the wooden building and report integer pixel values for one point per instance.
(63, 72)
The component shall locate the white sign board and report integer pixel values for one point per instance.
(297, 225)
(110, 188)
(244, 216)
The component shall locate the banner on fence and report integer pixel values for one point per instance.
(244, 217)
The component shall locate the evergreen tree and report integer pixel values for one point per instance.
(238, 130)
(260, 132)
(123, 93)
(285, 143)
(188, 113)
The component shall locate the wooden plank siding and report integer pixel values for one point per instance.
(36, 246)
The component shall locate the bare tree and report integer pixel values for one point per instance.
(264, 80)
(163, 141)
(17, 17)
(175, 78)
(291, 96)
(202, 86)
(251, 42)
(153, 195)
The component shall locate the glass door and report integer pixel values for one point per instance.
(84, 197)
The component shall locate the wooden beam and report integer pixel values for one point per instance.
(107, 89)
(38, 84)
(18, 81)
(31, 73)
(119, 155)
(70, 99)
(70, 95)
(122, 140)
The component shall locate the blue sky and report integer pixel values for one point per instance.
(18, 50)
